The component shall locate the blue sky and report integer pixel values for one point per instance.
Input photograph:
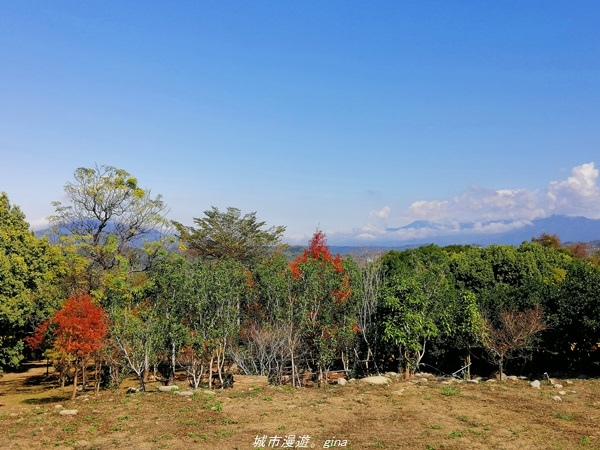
(349, 116)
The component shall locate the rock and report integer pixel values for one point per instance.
(68, 412)
(474, 381)
(562, 392)
(499, 376)
(427, 375)
(535, 384)
(58, 406)
(185, 393)
(512, 378)
(558, 386)
(568, 382)
(398, 392)
(423, 380)
(168, 388)
(491, 380)
(556, 398)
(342, 382)
(378, 379)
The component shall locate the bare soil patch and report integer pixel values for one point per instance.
(402, 415)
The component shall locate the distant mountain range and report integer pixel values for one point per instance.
(422, 232)
(509, 232)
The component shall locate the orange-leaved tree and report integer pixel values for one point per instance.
(77, 330)
(323, 288)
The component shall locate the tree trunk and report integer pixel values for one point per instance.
(173, 364)
(210, 370)
(468, 364)
(83, 373)
(74, 383)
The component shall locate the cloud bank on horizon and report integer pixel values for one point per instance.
(486, 210)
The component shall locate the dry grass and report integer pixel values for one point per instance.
(403, 415)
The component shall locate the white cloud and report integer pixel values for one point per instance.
(430, 210)
(366, 237)
(382, 213)
(491, 211)
(39, 224)
(578, 194)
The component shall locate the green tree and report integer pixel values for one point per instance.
(417, 303)
(106, 220)
(229, 235)
(575, 318)
(30, 282)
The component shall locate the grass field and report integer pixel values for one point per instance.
(414, 414)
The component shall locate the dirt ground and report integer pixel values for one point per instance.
(413, 414)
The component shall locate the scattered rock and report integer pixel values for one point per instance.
(568, 382)
(558, 386)
(499, 376)
(512, 378)
(378, 379)
(423, 380)
(556, 398)
(185, 393)
(491, 380)
(474, 381)
(562, 392)
(427, 375)
(535, 384)
(168, 388)
(398, 392)
(342, 381)
(68, 412)
(58, 406)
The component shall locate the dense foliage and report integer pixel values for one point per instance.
(229, 298)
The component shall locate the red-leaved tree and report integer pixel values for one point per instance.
(323, 289)
(77, 330)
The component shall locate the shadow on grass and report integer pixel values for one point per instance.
(27, 366)
(39, 380)
(46, 400)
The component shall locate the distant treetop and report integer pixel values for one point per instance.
(228, 234)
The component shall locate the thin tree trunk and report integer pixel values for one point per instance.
(74, 383)
(83, 373)
(210, 370)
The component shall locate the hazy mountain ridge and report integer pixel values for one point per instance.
(568, 229)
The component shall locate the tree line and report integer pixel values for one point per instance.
(98, 294)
